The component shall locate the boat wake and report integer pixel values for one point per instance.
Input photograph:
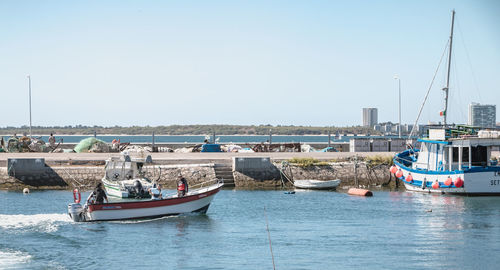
(13, 259)
(37, 222)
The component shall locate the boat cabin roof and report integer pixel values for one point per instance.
(456, 142)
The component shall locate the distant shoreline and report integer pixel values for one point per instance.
(137, 135)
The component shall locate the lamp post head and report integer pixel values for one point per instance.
(396, 77)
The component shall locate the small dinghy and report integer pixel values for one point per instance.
(196, 200)
(316, 184)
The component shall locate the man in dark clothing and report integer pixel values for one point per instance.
(182, 187)
(99, 194)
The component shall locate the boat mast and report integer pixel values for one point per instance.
(445, 112)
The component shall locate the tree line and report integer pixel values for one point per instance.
(189, 130)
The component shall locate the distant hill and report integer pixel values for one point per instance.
(189, 130)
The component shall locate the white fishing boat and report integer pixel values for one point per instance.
(451, 159)
(195, 201)
(316, 184)
(124, 177)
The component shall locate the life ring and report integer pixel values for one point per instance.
(76, 193)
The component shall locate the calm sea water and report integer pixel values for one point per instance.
(309, 230)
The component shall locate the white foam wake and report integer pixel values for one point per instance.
(13, 259)
(39, 222)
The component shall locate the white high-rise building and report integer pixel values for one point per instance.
(370, 117)
(482, 115)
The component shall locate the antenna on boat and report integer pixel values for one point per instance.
(269, 237)
(446, 89)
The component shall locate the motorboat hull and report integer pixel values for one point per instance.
(476, 181)
(196, 201)
(316, 184)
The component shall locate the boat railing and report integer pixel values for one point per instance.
(196, 187)
(207, 183)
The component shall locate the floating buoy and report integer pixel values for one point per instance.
(393, 169)
(399, 174)
(448, 181)
(359, 192)
(409, 178)
(435, 185)
(26, 190)
(459, 182)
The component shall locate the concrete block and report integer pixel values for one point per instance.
(245, 164)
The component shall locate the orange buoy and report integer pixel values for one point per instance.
(448, 181)
(435, 185)
(359, 192)
(393, 169)
(399, 173)
(409, 178)
(459, 182)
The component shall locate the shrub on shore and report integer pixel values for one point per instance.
(307, 162)
(379, 160)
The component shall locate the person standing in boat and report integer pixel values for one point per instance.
(182, 186)
(155, 192)
(99, 195)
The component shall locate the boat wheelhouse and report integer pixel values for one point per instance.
(124, 177)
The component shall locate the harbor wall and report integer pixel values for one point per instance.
(86, 177)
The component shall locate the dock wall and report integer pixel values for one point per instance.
(87, 176)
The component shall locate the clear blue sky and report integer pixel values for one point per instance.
(241, 62)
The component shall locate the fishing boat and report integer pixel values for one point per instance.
(124, 177)
(316, 184)
(453, 159)
(195, 201)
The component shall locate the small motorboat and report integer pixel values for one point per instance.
(197, 200)
(316, 184)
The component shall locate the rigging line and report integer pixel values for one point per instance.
(469, 61)
(428, 90)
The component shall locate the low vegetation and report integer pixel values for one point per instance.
(379, 160)
(190, 130)
(307, 162)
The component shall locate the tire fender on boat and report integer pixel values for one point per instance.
(77, 197)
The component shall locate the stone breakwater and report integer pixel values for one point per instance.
(87, 176)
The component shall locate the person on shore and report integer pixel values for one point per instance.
(99, 194)
(52, 140)
(155, 192)
(182, 187)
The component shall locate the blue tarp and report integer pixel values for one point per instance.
(211, 148)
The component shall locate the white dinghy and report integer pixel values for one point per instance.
(316, 184)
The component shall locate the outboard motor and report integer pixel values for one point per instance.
(75, 211)
(138, 188)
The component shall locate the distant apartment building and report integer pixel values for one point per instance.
(370, 117)
(482, 115)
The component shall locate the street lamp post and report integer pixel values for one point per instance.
(396, 77)
(29, 84)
